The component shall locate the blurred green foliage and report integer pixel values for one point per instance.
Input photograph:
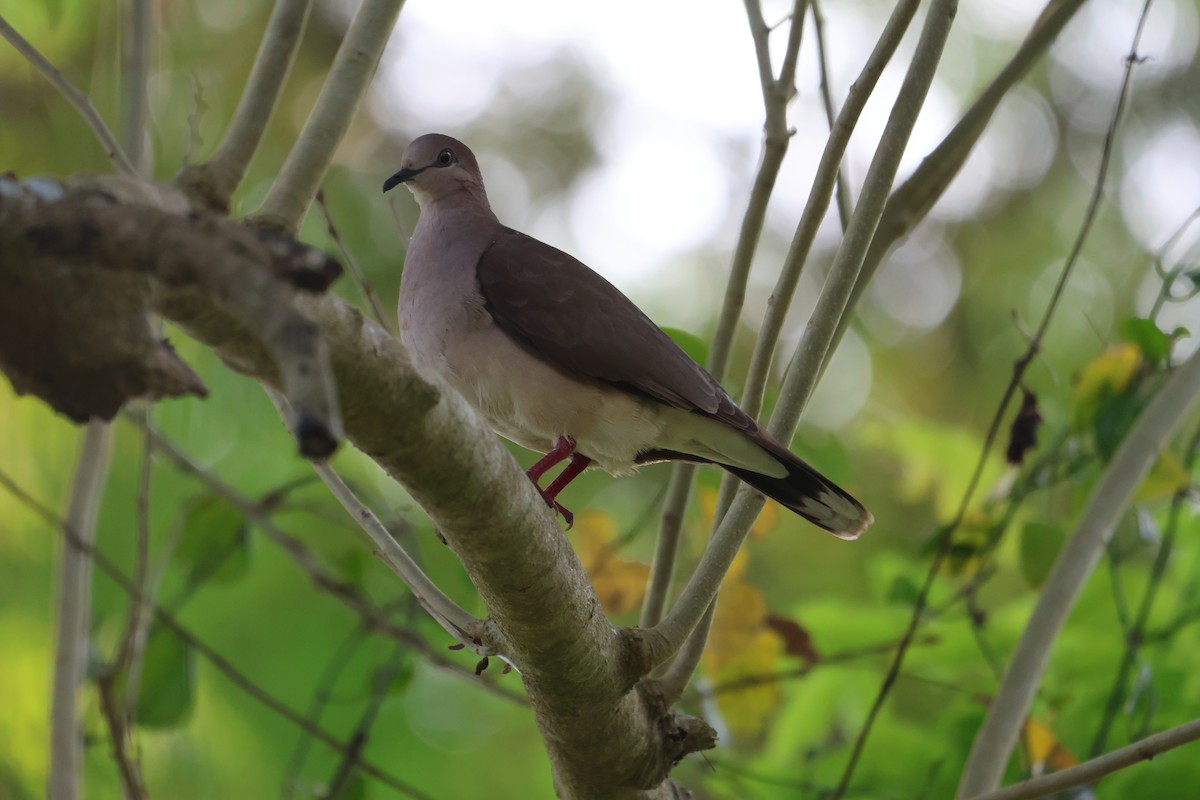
(908, 454)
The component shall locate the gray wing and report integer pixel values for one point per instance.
(566, 314)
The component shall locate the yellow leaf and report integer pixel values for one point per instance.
(741, 614)
(1044, 749)
(749, 708)
(619, 583)
(1105, 376)
(766, 522)
(1165, 479)
(1112, 370)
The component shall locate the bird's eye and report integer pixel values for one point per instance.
(445, 158)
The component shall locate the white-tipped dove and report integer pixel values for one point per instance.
(559, 361)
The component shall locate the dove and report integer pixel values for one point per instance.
(559, 361)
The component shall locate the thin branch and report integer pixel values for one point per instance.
(666, 547)
(355, 269)
(1091, 771)
(776, 92)
(834, 302)
(114, 716)
(910, 203)
(133, 643)
(468, 629)
(216, 179)
(322, 579)
(675, 680)
(136, 83)
(293, 190)
(359, 736)
(702, 588)
(843, 189)
(75, 541)
(334, 667)
(74, 614)
(818, 202)
(75, 97)
(995, 739)
(464, 626)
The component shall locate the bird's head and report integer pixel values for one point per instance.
(437, 167)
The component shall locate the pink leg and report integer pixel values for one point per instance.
(564, 448)
(579, 462)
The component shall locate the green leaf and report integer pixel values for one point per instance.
(215, 545)
(167, 690)
(1114, 417)
(1040, 544)
(1154, 344)
(693, 345)
(355, 788)
(903, 591)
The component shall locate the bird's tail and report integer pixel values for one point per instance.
(807, 492)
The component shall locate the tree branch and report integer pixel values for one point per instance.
(293, 190)
(834, 302)
(1090, 771)
(777, 93)
(464, 627)
(213, 182)
(695, 598)
(910, 203)
(818, 202)
(1112, 494)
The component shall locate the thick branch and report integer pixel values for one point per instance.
(90, 252)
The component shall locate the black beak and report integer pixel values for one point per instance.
(406, 174)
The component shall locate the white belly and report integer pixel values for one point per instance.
(524, 399)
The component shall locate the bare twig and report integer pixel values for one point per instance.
(339, 659)
(995, 739)
(355, 269)
(910, 203)
(776, 93)
(75, 541)
(75, 97)
(359, 736)
(841, 657)
(129, 652)
(843, 189)
(1091, 771)
(288, 199)
(818, 202)
(74, 614)
(215, 180)
(320, 577)
(834, 302)
(118, 729)
(136, 83)
(468, 629)
(702, 588)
